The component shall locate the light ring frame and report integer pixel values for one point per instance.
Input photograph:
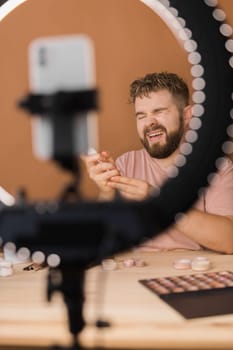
(214, 71)
(204, 30)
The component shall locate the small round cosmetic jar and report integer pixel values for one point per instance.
(5, 268)
(109, 264)
(182, 264)
(129, 262)
(140, 262)
(200, 263)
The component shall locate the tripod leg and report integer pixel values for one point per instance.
(69, 281)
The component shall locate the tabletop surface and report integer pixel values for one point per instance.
(138, 318)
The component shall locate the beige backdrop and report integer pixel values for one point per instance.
(130, 40)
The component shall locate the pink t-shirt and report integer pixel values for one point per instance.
(217, 198)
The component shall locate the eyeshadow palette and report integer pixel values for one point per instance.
(196, 295)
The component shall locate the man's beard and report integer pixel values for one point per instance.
(173, 140)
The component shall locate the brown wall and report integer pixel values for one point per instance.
(130, 40)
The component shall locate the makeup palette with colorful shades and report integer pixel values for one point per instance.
(195, 295)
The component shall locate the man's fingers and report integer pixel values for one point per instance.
(124, 180)
(132, 195)
(103, 176)
(102, 168)
(130, 188)
(108, 174)
(91, 159)
(123, 187)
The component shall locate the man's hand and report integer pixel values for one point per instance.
(130, 188)
(101, 168)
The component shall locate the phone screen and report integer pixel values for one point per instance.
(63, 63)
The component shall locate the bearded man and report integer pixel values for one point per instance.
(163, 113)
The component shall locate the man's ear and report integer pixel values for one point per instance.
(188, 112)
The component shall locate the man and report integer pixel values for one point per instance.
(163, 112)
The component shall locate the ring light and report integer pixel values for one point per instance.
(9, 6)
(199, 26)
(73, 236)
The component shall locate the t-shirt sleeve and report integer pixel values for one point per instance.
(219, 195)
(121, 164)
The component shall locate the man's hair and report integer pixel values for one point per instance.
(154, 82)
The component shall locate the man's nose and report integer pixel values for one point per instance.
(151, 120)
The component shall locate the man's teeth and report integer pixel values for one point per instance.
(158, 133)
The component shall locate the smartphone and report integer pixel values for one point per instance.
(62, 63)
